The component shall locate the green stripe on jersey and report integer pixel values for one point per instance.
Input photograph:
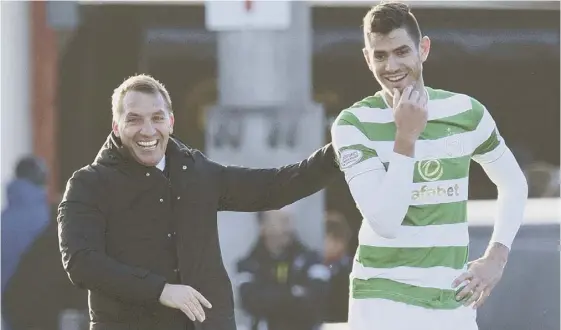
(409, 294)
(374, 101)
(423, 257)
(491, 143)
(367, 152)
(436, 214)
(443, 168)
(439, 94)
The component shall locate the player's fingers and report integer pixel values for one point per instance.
(477, 292)
(202, 299)
(423, 100)
(396, 97)
(486, 293)
(467, 290)
(414, 98)
(406, 95)
(462, 278)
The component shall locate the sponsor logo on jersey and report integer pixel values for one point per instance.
(430, 170)
(439, 191)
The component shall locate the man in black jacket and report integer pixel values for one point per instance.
(138, 228)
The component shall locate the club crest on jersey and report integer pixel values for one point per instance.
(430, 170)
(452, 144)
(349, 157)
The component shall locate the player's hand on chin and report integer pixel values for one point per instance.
(481, 277)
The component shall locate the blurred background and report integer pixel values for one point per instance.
(258, 83)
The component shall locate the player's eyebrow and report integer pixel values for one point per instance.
(402, 48)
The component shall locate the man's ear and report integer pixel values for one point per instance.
(115, 128)
(424, 48)
(366, 57)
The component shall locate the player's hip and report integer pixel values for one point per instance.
(386, 314)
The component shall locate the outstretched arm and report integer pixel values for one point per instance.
(252, 190)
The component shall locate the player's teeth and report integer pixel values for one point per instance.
(147, 144)
(394, 78)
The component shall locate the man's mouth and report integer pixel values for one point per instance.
(395, 77)
(147, 145)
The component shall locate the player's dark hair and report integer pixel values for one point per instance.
(388, 16)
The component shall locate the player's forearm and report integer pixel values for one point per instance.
(512, 195)
(383, 198)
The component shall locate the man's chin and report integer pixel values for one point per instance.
(151, 160)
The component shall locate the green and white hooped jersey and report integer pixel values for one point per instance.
(431, 249)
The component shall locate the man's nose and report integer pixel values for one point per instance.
(392, 64)
(148, 129)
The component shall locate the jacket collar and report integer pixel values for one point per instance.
(114, 153)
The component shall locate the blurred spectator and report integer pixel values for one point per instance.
(337, 258)
(41, 302)
(283, 283)
(25, 217)
(543, 180)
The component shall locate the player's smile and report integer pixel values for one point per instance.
(393, 78)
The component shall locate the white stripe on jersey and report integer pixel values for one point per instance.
(437, 109)
(432, 277)
(418, 236)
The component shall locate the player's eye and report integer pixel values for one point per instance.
(402, 52)
(379, 56)
(132, 120)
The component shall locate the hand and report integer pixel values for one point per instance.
(410, 112)
(185, 298)
(482, 276)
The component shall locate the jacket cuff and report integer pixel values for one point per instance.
(153, 285)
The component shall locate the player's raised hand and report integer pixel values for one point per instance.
(186, 299)
(410, 112)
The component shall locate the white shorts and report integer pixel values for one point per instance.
(382, 314)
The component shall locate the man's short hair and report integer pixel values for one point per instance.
(388, 16)
(337, 227)
(140, 83)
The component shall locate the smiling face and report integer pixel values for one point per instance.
(393, 47)
(395, 59)
(144, 126)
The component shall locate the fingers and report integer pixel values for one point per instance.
(468, 290)
(414, 98)
(423, 100)
(486, 293)
(196, 308)
(462, 278)
(396, 97)
(202, 299)
(477, 292)
(407, 93)
(187, 311)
